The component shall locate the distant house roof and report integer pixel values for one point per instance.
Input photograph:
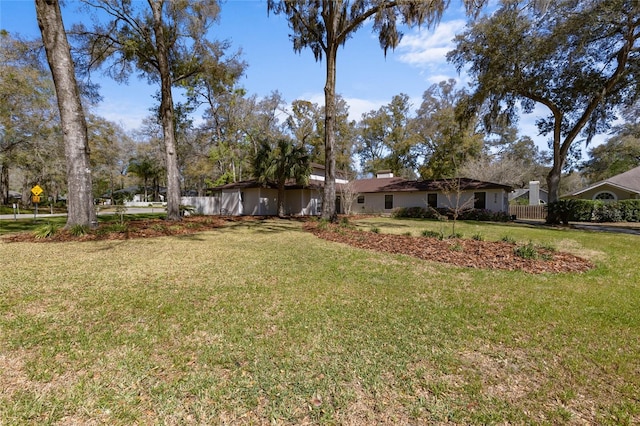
(397, 184)
(628, 181)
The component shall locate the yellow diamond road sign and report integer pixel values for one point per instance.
(36, 190)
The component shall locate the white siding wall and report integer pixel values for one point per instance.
(203, 205)
(302, 202)
(260, 202)
(230, 203)
(374, 202)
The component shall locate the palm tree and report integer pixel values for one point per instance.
(145, 169)
(280, 163)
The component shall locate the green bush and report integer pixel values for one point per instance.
(432, 234)
(79, 230)
(508, 239)
(468, 214)
(416, 213)
(484, 215)
(593, 211)
(46, 231)
(527, 251)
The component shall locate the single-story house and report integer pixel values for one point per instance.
(254, 198)
(385, 193)
(532, 196)
(382, 194)
(624, 186)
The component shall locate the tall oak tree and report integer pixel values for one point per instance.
(578, 59)
(325, 25)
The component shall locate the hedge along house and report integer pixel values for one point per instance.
(385, 193)
(625, 186)
(254, 198)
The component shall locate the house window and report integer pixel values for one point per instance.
(605, 196)
(388, 202)
(479, 200)
(432, 201)
(360, 199)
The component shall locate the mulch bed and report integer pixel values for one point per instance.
(131, 229)
(459, 252)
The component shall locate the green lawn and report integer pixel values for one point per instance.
(260, 322)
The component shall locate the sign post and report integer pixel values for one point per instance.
(35, 198)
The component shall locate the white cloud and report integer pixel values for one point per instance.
(357, 106)
(127, 115)
(428, 48)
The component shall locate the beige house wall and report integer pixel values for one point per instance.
(496, 200)
(618, 192)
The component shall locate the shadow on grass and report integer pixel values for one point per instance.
(266, 224)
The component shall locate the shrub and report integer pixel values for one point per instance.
(484, 215)
(375, 229)
(456, 247)
(416, 213)
(432, 234)
(508, 239)
(45, 231)
(478, 237)
(606, 212)
(323, 225)
(344, 223)
(593, 211)
(79, 230)
(117, 227)
(527, 251)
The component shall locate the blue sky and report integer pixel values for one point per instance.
(365, 77)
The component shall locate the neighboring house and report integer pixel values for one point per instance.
(532, 196)
(382, 194)
(624, 186)
(385, 193)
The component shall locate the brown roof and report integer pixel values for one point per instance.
(255, 183)
(397, 184)
(394, 184)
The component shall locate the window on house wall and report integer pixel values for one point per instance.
(479, 200)
(605, 196)
(432, 201)
(388, 202)
(360, 199)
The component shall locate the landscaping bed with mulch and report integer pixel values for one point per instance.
(129, 229)
(460, 252)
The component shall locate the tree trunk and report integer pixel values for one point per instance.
(329, 195)
(167, 114)
(81, 210)
(4, 183)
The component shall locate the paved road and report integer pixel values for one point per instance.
(619, 228)
(43, 213)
